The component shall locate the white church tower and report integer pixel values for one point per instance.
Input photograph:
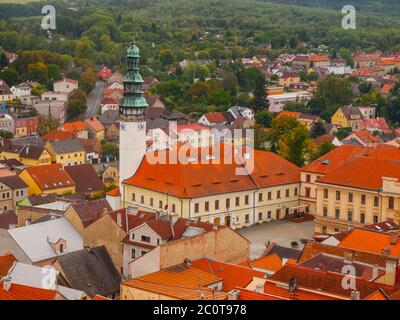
(132, 133)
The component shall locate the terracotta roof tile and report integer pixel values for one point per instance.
(74, 126)
(21, 292)
(51, 176)
(271, 262)
(94, 124)
(57, 135)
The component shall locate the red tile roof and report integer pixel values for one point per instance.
(57, 135)
(290, 114)
(379, 124)
(319, 58)
(51, 176)
(325, 281)
(336, 158)
(271, 262)
(252, 295)
(358, 173)
(215, 117)
(108, 101)
(6, 262)
(366, 136)
(233, 275)
(74, 126)
(199, 179)
(114, 192)
(94, 124)
(21, 292)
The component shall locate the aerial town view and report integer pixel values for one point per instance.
(204, 150)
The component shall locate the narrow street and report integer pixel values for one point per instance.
(94, 99)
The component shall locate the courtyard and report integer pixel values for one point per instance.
(282, 232)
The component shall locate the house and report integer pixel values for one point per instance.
(115, 94)
(89, 270)
(278, 101)
(328, 137)
(47, 179)
(65, 85)
(180, 282)
(319, 62)
(366, 60)
(148, 82)
(208, 190)
(57, 135)
(108, 104)
(85, 178)
(54, 109)
(95, 129)
(22, 89)
(374, 125)
(28, 155)
(55, 96)
(111, 175)
(12, 189)
(25, 126)
(108, 118)
(42, 242)
(238, 112)
(11, 291)
(322, 166)
(93, 150)
(365, 196)
(66, 152)
(6, 123)
(105, 73)
(5, 92)
(215, 118)
(347, 117)
(289, 78)
(78, 128)
(362, 137)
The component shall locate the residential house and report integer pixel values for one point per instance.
(22, 89)
(347, 117)
(289, 78)
(366, 60)
(8, 220)
(54, 109)
(110, 176)
(25, 126)
(216, 118)
(57, 135)
(45, 210)
(362, 137)
(105, 73)
(42, 242)
(93, 150)
(28, 155)
(47, 179)
(65, 85)
(238, 112)
(108, 104)
(66, 152)
(5, 92)
(89, 270)
(12, 190)
(55, 96)
(374, 125)
(78, 128)
(95, 129)
(85, 178)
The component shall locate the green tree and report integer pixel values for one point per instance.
(47, 124)
(10, 76)
(260, 137)
(3, 60)
(77, 104)
(264, 118)
(294, 146)
(318, 129)
(260, 95)
(279, 127)
(166, 57)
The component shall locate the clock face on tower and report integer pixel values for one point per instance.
(141, 125)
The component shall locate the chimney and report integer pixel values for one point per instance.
(348, 258)
(187, 262)
(233, 295)
(390, 271)
(6, 283)
(119, 219)
(386, 251)
(394, 237)
(355, 295)
(260, 288)
(292, 285)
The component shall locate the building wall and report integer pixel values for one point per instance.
(44, 159)
(74, 219)
(106, 232)
(239, 215)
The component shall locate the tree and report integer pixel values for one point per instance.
(264, 118)
(6, 134)
(10, 76)
(295, 106)
(279, 127)
(260, 137)
(230, 83)
(166, 57)
(325, 148)
(332, 92)
(38, 90)
(3, 60)
(77, 104)
(295, 145)
(260, 95)
(392, 108)
(47, 124)
(318, 129)
(88, 80)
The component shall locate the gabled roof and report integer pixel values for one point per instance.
(90, 211)
(94, 124)
(51, 176)
(74, 126)
(215, 117)
(90, 270)
(85, 178)
(20, 292)
(325, 281)
(366, 136)
(66, 146)
(233, 275)
(34, 239)
(8, 219)
(13, 182)
(57, 135)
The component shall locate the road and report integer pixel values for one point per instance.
(94, 99)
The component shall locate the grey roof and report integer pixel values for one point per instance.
(30, 140)
(91, 270)
(7, 244)
(285, 253)
(67, 146)
(109, 117)
(13, 182)
(351, 141)
(156, 123)
(34, 239)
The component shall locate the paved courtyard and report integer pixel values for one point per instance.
(282, 232)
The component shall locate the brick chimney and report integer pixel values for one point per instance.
(394, 238)
(355, 295)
